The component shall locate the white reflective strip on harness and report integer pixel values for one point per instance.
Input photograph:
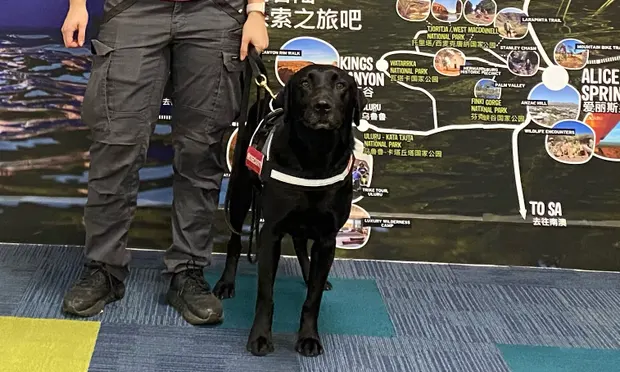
(292, 180)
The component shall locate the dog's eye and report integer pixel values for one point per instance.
(305, 84)
(340, 86)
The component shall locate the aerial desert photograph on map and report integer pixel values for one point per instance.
(560, 105)
(313, 51)
(413, 10)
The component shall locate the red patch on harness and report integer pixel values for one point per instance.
(254, 160)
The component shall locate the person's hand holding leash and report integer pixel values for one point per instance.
(255, 33)
(76, 20)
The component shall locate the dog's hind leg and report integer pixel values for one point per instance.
(260, 341)
(308, 341)
(240, 202)
(301, 250)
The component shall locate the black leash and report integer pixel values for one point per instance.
(255, 71)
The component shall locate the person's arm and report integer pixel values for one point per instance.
(254, 30)
(76, 20)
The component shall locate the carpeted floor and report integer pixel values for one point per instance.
(379, 317)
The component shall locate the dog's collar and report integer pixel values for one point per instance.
(259, 153)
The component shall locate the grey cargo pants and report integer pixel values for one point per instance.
(198, 44)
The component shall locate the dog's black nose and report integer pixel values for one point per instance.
(322, 105)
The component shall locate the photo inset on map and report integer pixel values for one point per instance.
(485, 88)
(480, 12)
(353, 235)
(606, 127)
(575, 148)
(313, 51)
(569, 55)
(448, 61)
(560, 104)
(447, 10)
(362, 170)
(413, 10)
(230, 149)
(523, 63)
(509, 24)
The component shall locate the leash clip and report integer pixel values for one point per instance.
(263, 84)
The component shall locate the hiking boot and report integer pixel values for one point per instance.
(95, 289)
(191, 295)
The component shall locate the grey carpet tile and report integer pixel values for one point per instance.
(502, 314)
(142, 348)
(43, 297)
(354, 353)
(399, 271)
(540, 277)
(13, 284)
(17, 255)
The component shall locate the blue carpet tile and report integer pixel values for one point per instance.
(523, 358)
(355, 308)
(381, 316)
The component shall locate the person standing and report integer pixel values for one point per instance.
(201, 45)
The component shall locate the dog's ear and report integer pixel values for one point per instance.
(283, 100)
(359, 104)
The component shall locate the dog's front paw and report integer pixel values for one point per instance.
(260, 345)
(224, 289)
(309, 346)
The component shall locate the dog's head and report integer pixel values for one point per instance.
(322, 97)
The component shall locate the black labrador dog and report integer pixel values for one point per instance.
(314, 142)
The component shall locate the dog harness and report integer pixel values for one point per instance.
(258, 157)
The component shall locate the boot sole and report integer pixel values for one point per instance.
(179, 305)
(96, 309)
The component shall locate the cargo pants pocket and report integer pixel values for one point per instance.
(95, 110)
(230, 89)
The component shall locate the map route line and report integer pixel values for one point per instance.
(432, 55)
(428, 94)
(443, 129)
(486, 217)
(541, 49)
(530, 27)
(416, 36)
(491, 51)
(517, 166)
(606, 159)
